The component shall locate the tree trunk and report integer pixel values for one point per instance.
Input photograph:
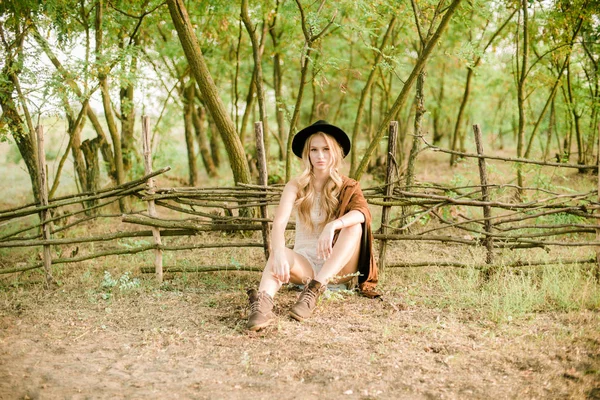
(593, 81)
(279, 105)
(130, 155)
(459, 118)
(215, 148)
(554, 87)
(13, 120)
(278, 82)
(89, 149)
(193, 53)
(22, 139)
(551, 127)
(250, 101)
(74, 131)
(436, 114)
(199, 119)
(257, 52)
(565, 155)
(419, 112)
(296, 116)
(108, 114)
(522, 70)
(576, 119)
(10, 118)
(313, 87)
(188, 110)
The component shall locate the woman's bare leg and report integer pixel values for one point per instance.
(300, 271)
(344, 257)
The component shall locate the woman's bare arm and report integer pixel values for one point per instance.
(325, 243)
(280, 263)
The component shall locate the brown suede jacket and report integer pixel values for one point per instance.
(351, 198)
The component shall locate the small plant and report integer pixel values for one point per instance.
(124, 283)
(108, 282)
(235, 263)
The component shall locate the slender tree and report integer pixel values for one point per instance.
(309, 40)
(233, 145)
(13, 32)
(257, 52)
(458, 127)
(403, 96)
(366, 90)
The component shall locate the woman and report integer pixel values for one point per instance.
(333, 229)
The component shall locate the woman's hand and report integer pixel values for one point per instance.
(281, 266)
(325, 242)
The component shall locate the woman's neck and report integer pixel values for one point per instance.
(320, 180)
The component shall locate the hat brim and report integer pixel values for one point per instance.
(337, 133)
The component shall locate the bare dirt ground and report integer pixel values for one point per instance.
(186, 339)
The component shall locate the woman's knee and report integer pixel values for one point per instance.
(353, 230)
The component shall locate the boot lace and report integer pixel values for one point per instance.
(255, 306)
(308, 296)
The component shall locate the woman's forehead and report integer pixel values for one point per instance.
(318, 141)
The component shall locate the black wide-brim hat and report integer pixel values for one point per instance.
(321, 126)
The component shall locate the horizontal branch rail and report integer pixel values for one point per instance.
(201, 226)
(400, 201)
(509, 159)
(132, 250)
(68, 200)
(206, 268)
(518, 264)
(514, 243)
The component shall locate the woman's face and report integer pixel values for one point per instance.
(319, 153)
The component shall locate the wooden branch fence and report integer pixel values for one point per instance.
(481, 215)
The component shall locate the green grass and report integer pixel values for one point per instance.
(510, 293)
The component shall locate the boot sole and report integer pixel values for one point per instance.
(258, 327)
(296, 317)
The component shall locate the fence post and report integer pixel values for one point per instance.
(44, 214)
(390, 179)
(158, 260)
(261, 158)
(485, 196)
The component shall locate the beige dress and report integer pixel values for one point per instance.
(305, 243)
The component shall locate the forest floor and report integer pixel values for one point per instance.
(127, 337)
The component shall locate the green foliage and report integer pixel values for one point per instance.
(141, 33)
(561, 219)
(12, 155)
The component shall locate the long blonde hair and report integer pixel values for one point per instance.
(306, 183)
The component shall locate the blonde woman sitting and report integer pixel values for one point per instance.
(333, 229)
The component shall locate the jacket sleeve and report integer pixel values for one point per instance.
(352, 198)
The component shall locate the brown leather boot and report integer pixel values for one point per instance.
(307, 301)
(261, 310)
